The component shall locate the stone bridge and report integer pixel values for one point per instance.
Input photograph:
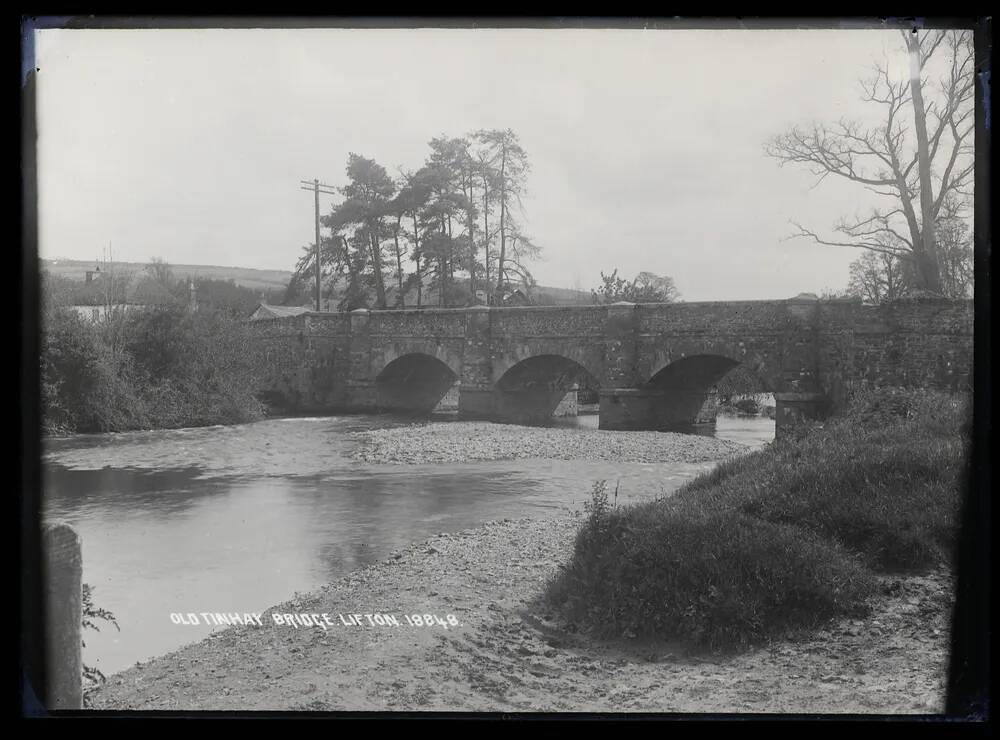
(654, 364)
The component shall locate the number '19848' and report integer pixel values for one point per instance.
(431, 620)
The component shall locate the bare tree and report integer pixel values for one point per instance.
(161, 272)
(916, 168)
(955, 256)
(116, 280)
(878, 277)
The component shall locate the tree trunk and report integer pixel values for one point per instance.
(472, 241)
(927, 261)
(486, 230)
(441, 279)
(377, 267)
(400, 299)
(503, 209)
(416, 258)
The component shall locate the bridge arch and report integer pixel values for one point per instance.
(677, 393)
(695, 372)
(588, 357)
(414, 382)
(529, 391)
(683, 389)
(760, 358)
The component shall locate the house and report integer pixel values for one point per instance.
(97, 313)
(516, 297)
(110, 292)
(89, 313)
(264, 312)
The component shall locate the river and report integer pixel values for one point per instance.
(239, 518)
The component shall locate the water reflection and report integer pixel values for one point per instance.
(236, 519)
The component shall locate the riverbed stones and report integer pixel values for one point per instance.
(455, 442)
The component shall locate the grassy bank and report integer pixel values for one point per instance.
(787, 537)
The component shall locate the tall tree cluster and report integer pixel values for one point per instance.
(441, 235)
(917, 159)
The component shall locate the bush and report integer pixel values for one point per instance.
(161, 368)
(711, 578)
(87, 384)
(788, 536)
(92, 676)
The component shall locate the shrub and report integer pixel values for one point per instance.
(87, 384)
(937, 412)
(163, 368)
(787, 536)
(92, 675)
(713, 579)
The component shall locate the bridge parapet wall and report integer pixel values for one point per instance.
(775, 339)
(910, 343)
(802, 349)
(430, 323)
(299, 359)
(577, 333)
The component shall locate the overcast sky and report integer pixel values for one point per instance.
(645, 146)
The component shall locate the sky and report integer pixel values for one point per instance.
(646, 146)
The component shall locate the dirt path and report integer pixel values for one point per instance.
(507, 655)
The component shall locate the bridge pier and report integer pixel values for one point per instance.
(361, 396)
(415, 396)
(475, 393)
(529, 406)
(654, 409)
(475, 404)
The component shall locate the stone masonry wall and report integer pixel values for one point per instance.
(315, 363)
(909, 343)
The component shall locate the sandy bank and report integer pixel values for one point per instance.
(460, 441)
(506, 654)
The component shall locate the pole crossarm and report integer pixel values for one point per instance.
(330, 189)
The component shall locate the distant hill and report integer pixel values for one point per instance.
(277, 280)
(245, 276)
(563, 296)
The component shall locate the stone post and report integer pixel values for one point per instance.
(475, 394)
(63, 574)
(361, 395)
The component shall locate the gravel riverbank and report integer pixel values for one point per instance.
(462, 441)
(505, 653)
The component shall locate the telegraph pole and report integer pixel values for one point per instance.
(315, 186)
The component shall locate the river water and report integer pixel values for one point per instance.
(239, 518)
